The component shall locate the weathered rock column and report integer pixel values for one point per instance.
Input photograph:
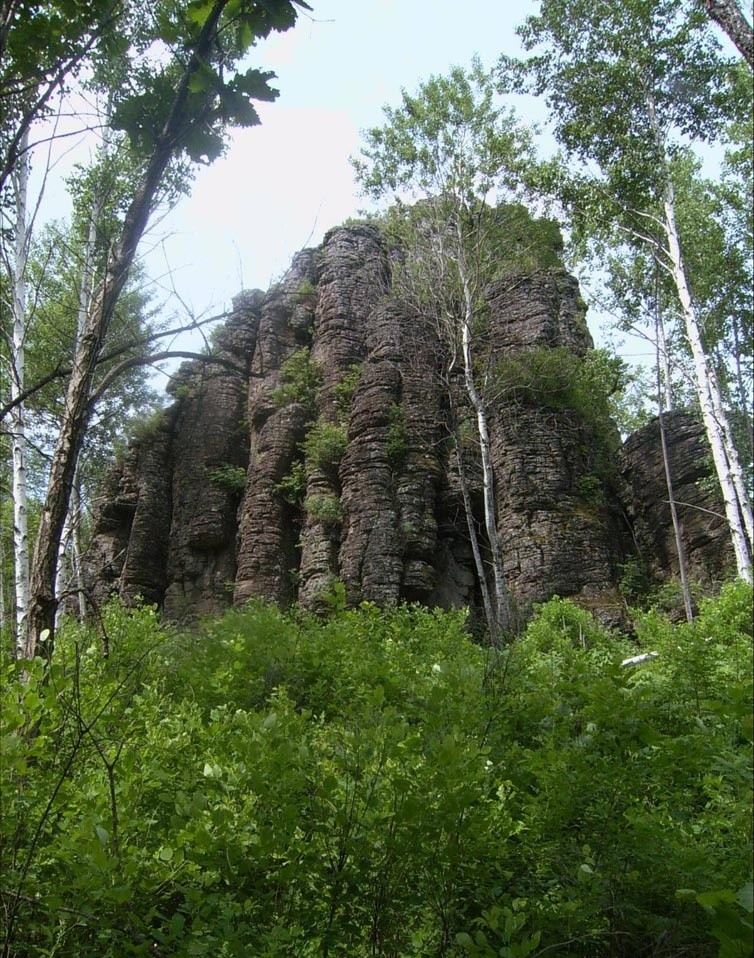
(267, 556)
(353, 278)
(211, 449)
(705, 533)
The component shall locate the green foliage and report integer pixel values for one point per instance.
(306, 292)
(292, 487)
(301, 381)
(636, 90)
(229, 477)
(605, 69)
(324, 446)
(324, 508)
(343, 392)
(452, 136)
(55, 272)
(371, 783)
(217, 93)
(635, 581)
(632, 405)
(520, 242)
(591, 489)
(558, 379)
(146, 429)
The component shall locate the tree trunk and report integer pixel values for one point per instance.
(725, 457)
(20, 180)
(664, 387)
(728, 14)
(727, 465)
(489, 612)
(743, 394)
(69, 536)
(77, 409)
(502, 613)
(677, 529)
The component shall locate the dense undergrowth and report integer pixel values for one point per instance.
(375, 784)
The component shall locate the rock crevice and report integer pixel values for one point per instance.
(319, 449)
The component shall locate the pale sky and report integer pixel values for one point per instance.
(283, 184)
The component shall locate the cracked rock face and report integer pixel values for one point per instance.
(699, 503)
(315, 448)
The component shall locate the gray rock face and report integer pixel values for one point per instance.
(699, 503)
(316, 448)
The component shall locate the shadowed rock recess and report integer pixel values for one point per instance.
(316, 449)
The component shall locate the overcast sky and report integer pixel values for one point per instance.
(283, 184)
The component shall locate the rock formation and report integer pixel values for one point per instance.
(698, 501)
(315, 447)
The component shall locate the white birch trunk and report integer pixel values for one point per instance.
(677, 528)
(727, 466)
(20, 180)
(734, 463)
(502, 612)
(663, 366)
(489, 612)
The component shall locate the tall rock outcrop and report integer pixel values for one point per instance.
(314, 447)
(699, 503)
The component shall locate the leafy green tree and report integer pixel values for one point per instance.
(372, 784)
(451, 149)
(42, 47)
(174, 110)
(629, 83)
(50, 281)
(15, 257)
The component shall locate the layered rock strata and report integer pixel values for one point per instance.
(319, 444)
(699, 504)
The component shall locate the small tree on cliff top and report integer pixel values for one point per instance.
(452, 149)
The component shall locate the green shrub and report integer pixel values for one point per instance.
(229, 477)
(558, 379)
(591, 489)
(307, 292)
(324, 508)
(147, 428)
(301, 381)
(635, 581)
(370, 783)
(343, 392)
(292, 487)
(324, 446)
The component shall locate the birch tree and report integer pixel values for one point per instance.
(628, 83)
(16, 260)
(185, 87)
(451, 150)
(729, 15)
(42, 47)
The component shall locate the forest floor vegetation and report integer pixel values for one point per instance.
(374, 784)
